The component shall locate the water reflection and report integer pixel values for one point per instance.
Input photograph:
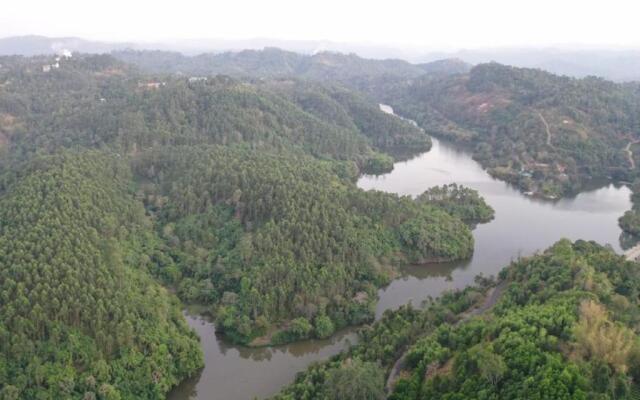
(236, 372)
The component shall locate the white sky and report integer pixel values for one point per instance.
(426, 24)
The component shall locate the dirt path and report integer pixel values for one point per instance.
(489, 301)
(546, 126)
(627, 149)
(633, 254)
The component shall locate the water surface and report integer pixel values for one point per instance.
(522, 224)
(236, 372)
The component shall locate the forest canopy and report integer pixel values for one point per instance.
(80, 314)
(269, 238)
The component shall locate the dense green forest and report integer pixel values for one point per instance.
(81, 317)
(630, 221)
(565, 326)
(463, 202)
(348, 69)
(96, 101)
(379, 345)
(124, 190)
(272, 239)
(547, 134)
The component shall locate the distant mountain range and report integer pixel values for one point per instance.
(35, 45)
(271, 62)
(613, 64)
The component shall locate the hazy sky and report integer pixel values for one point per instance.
(429, 24)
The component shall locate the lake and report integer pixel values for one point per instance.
(522, 226)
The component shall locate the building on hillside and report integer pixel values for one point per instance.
(49, 67)
(197, 79)
(151, 85)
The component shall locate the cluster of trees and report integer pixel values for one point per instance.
(465, 203)
(284, 242)
(630, 221)
(81, 316)
(565, 327)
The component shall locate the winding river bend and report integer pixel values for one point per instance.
(522, 226)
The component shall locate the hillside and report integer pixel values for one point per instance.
(271, 62)
(80, 315)
(615, 64)
(564, 326)
(270, 241)
(549, 135)
(348, 70)
(97, 101)
(545, 133)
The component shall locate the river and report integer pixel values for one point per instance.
(522, 226)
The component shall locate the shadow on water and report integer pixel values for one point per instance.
(237, 372)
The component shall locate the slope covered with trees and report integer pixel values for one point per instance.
(96, 101)
(270, 238)
(379, 345)
(81, 316)
(546, 133)
(565, 327)
(273, 63)
(353, 111)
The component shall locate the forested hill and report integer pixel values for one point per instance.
(561, 325)
(81, 317)
(285, 247)
(546, 133)
(272, 62)
(97, 101)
